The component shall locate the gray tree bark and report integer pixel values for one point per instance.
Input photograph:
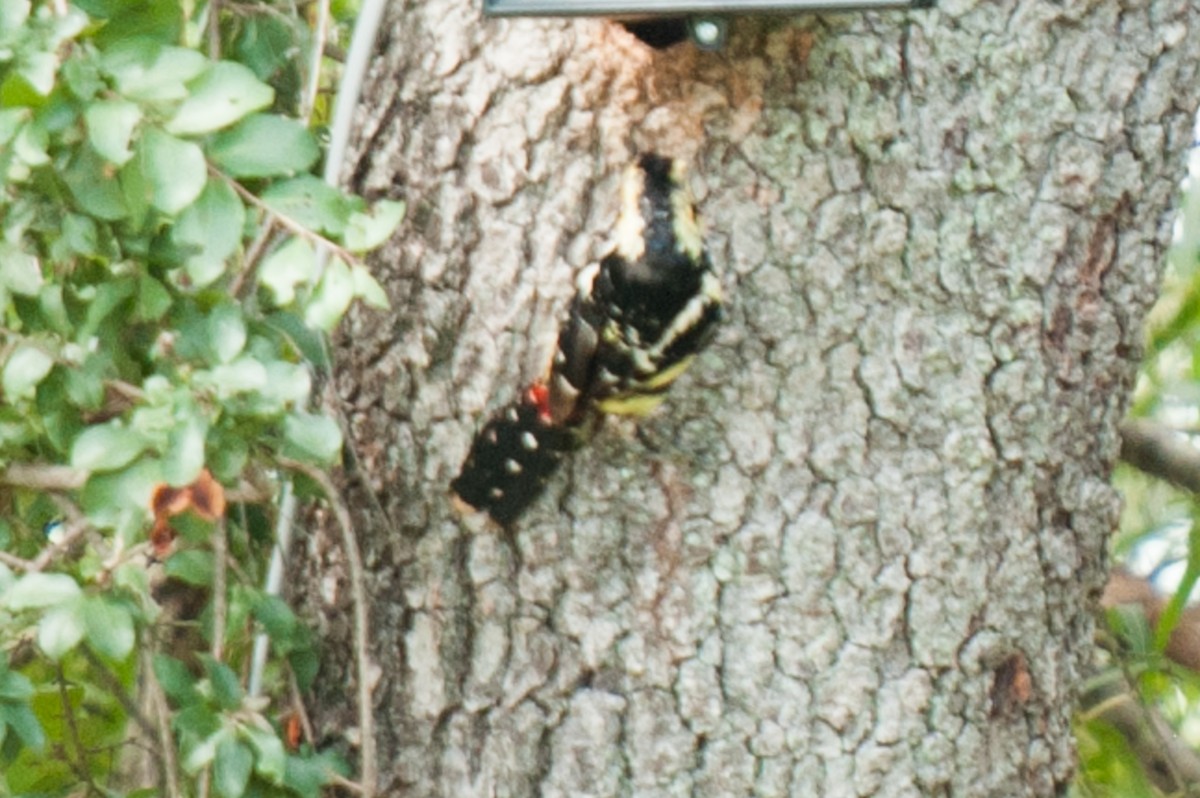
(860, 553)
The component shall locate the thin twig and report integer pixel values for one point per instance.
(214, 29)
(358, 592)
(1161, 452)
(338, 780)
(48, 478)
(321, 33)
(298, 707)
(126, 390)
(114, 686)
(1146, 720)
(14, 562)
(220, 605)
(79, 761)
(43, 476)
(220, 609)
(162, 716)
(285, 221)
(76, 528)
(254, 253)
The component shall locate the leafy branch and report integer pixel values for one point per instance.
(169, 267)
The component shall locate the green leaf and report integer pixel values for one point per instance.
(290, 265)
(110, 125)
(118, 500)
(106, 447)
(156, 22)
(264, 145)
(20, 271)
(277, 619)
(13, 14)
(81, 76)
(226, 332)
(287, 384)
(153, 299)
(227, 690)
(39, 70)
(60, 630)
(270, 758)
(131, 577)
(25, 368)
(173, 170)
(308, 342)
(149, 72)
(107, 297)
(135, 189)
(1174, 609)
(231, 767)
(244, 375)
(209, 231)
(367, 288)
(38, 590)
(12, 120)
(193, 566)
(311, 202)
(228, 456)
(223, 94)
(1129, 623)
(109, 627)
(54, 309)
(1107, 762)
(204, 752)
(184, 456)
(22, 720)
(30, 146)
(368, 230)
(14, 686)
(311, 438)
(175, 678)
(331, 297)
(306, 775)
(15, 90)
(305, 665)
(93, 188)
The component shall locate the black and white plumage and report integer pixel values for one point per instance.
(637, 321)
(640, 316)
(513, 457)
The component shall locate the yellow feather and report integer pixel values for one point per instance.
(688, 234)
(636, 405)
(667, 376)
(647, 395)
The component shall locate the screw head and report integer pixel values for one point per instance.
(708, 32)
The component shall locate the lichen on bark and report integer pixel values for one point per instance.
(880, 494)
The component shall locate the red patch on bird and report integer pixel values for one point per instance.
(538, 395)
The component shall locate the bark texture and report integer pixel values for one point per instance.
(857, 550)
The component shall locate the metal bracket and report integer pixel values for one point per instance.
(704, 21)
(680, 8)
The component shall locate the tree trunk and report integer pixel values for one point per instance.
(857, 550)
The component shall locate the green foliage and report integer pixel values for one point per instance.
(169, 267)
(1108, 768)
(1160, 529)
